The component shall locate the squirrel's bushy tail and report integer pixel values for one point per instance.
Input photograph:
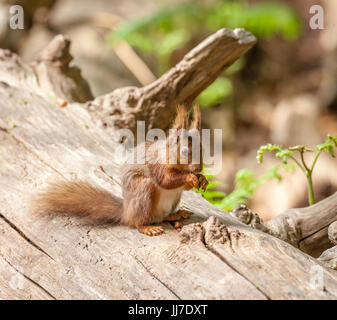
(78, 198)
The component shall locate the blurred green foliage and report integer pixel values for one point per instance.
(173, 27)
(246, 183)
(288, 154)
(215, 93)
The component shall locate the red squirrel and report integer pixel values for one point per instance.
(151, 191)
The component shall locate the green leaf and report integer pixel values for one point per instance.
(328, 146)
(332, 139)
(283, 154)
(215, 93)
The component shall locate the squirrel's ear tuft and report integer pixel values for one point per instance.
(181, 119)
(196, 123)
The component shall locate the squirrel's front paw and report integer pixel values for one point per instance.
(193, 180)
(151, 230)
(203, 182)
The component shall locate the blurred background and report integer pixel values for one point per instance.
(283, 91)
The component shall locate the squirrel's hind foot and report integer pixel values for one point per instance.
(180, 214)
(151, 230)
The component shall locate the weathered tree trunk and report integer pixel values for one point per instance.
(307, 228)
(312, 229)
(214, 257)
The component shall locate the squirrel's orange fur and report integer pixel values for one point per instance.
(79, 198)
(151, 191)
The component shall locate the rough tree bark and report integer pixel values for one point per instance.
(215, 256)
(332, 232)
(305, 228)
(329, 256)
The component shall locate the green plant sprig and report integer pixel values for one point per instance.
(289, 154)
(246, 183)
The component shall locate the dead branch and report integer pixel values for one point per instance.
(50, 75)
(157, 101)
(55, 75)
(307, 228)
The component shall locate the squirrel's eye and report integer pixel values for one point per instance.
(184, 151)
